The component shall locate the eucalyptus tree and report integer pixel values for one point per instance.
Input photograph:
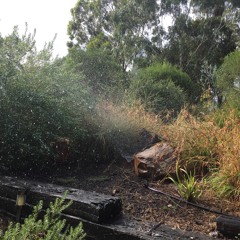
(132, 31)
(216, 8)
(201, 31)
(128, 28)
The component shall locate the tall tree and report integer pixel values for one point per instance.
(124, 26)
(201, 31)
(131, 30)
(191, 42)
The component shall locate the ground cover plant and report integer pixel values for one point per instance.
(49, 227)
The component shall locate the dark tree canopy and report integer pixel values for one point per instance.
(122, 25)
(132, 31)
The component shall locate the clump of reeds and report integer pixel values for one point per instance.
(213, 147)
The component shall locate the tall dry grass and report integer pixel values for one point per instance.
(194, 138)
(226, 180)
(210, 145)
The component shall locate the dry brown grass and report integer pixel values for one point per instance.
(227, 179)
(194, 138)
(205, 143)
(200, 142)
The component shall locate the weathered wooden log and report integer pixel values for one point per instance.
(155, 162)
(126, 229)
(91, 206)
(229, 226)
(119, 228)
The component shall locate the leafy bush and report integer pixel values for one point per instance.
(157, 90)
(165, 72)
(100, 71)
(40, 101)
(49, 227)
(228, 79)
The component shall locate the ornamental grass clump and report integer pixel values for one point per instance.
(186, 184)
(212, 145)
(194, 140)
(226, 177)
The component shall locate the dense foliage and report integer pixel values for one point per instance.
(162, 87)
(100, 71)
(41, 100)
(228, 79)
(135, 32)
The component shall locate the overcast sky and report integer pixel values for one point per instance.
(48, 17)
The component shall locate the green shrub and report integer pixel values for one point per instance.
(157, 92)
(228, 79)
(49, 227)
(165, 72)
(101, 72)
(41, 100)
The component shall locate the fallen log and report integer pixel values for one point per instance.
(228, 226)
(117, 228)
(91, 206)
(155, 162)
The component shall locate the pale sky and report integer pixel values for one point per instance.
(48, 17)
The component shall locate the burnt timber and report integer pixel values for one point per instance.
(100, 214)
(91, 206)
(229, 225)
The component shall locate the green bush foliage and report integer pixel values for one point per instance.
(100, 70)
(165, 71)
(40, 101)
(49, 227)
(228, 79)
(161, 97)
(162, 87)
